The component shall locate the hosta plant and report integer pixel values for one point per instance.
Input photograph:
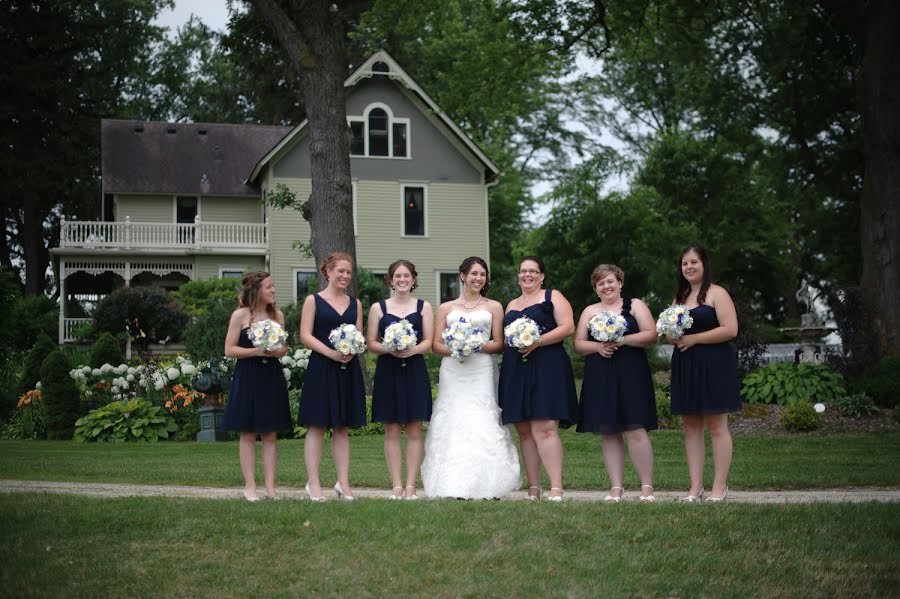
(787, 383)
(126, 420)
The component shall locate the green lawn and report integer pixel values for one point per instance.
(760, 462)
(63, 546)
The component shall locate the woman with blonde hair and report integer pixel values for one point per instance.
(258, 399)
(333, 395)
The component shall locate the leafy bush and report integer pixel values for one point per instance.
(750, 347)
(27, 422)
(125, 420)
(204, 337)
(31, 316)
(882, 383)
(664, 417)
(856, 405)
(31, 371)
(800, 416)
(147, 313)
(106, 350)
(10, 290)
(195, 297)
(788, 383)
(857, 328)
(61, 396)
(182, 404)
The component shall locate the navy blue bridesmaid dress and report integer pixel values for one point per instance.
(332, 397)
(704, 378)
(617, 393)
(401, 394)
(543, 386)
(258, 397)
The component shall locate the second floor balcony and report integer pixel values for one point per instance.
(128, 235)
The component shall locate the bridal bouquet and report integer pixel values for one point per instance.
(674, 321)
(347, 340)
(267, 334)
(400, 336)
(464, 338)
(607, 326)
(521, 333)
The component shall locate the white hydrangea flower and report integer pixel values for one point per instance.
(96, 372)
(106, 368)
(173, 373)
(86, 369)
(287, 373)
(188, 368)
(129, 377)
(158, 385)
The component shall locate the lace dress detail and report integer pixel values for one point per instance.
(468, 453)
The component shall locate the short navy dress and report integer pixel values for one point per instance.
(543, 386)
(617, 393)
(704, 378)
(258, 398)
(332, 397)
(401, 394)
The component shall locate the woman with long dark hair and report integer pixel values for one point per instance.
(704, 372)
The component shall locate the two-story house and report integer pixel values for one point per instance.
(186, 201)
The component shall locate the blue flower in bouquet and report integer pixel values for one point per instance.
(347, 340)
(607, 326)
(674, 321)
(399, 336)
(464, 338)
(521, 333)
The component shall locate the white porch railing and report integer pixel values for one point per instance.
(137, 235)
(69, 326)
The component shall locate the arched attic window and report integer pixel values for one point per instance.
(379, 134)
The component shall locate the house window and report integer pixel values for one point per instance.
(448, 286)
(109, 207)
(231, 274)
(186, 209)
(305, 282)
(358, 145)
(377, 133)
(413, 211)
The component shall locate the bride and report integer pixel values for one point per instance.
(468, 454)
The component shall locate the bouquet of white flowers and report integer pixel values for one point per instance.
(399, 336)
(464, 338)
(347, 340)
(267, 334)
(607, 326)
(521, 333)
(674, 321)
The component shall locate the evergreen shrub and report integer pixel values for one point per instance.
(148, 314)
(196, 296)
(882, 383)
(204, 337)
(31, 316)
(61, 396)
(106, 350)
(31, 370)
(800, 416)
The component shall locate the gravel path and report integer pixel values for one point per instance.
(855, 495)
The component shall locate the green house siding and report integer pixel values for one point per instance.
(230, 210)
(208, 266)
(145, 208)
(456, 228)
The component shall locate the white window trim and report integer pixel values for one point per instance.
(175, 205)
(239, 269)
(364, 119)
(353, 196)
(295, 271)
(403, 187)
(437, 283)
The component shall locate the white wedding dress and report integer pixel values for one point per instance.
(468, 453)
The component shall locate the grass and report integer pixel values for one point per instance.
(61, 546)
(760, 462)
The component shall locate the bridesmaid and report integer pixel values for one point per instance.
(401, 396)
(617, 396)
(332, 397)
(704, 372)
(258, 399)
(537, 387)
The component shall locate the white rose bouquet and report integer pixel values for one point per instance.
(607, 326)
(674, 321)
(267, 334)
(400, 336)
(464, 338)
(521, 333)
(347, 340)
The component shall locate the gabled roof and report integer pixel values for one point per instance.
(183, 158)
(395, 72)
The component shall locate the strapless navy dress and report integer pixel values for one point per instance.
(617, 393)
(543, 386)
(401, 394)
(332, 397)
(704, 378)
(258, 397)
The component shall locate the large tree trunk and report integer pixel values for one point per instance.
(312, 34)
(34, 251)
(873, 24)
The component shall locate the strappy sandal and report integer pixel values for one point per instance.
(610, 498)
(647, 498)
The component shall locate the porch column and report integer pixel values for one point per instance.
(62, 300)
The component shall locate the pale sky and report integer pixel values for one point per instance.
(214, 13)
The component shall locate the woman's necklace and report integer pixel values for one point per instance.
(527, 297)
(462, 300)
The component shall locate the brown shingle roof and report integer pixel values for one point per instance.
(183, 158)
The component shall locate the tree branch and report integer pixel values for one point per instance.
(288, 34)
